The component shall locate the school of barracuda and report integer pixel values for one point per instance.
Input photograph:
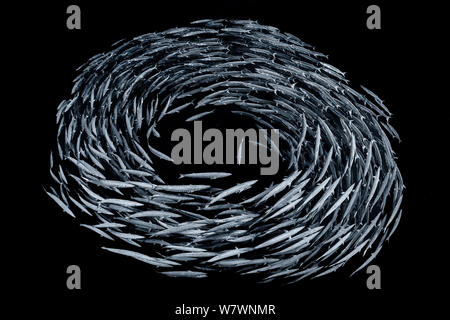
(340, 196)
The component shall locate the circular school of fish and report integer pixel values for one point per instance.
(337, 196)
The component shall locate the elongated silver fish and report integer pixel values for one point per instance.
(205, 175)
(236, 189)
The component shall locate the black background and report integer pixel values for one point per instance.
(392, 62)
